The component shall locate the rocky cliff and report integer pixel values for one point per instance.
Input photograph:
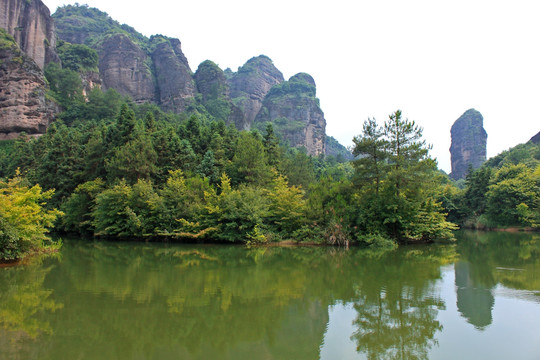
(295, 113)
(23, 104)
(125, 67)
(250, 85)
(30, 23)
(174, 83)
(469, 141)
(155, 70)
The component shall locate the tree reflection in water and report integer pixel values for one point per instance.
(25, 304)
(133, 300)
(397, 304)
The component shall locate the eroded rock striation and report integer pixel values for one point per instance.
(30, 23)
(469, 141)
(23, 104)
(174, 82)
(125, 67)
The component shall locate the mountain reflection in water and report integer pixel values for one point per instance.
(131, 300)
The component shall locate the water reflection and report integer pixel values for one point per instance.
(25, 304)
(489, 259)
(474, 298)
(397, 303)
(132, 300)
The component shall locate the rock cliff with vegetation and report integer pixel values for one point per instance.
(95, 51)
(30, 24)
(295, 113)
(24, 105)
(250, 85)
(174, 82)
(469, 141)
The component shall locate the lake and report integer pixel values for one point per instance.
(476, 299)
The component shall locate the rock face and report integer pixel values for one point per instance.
(174, 83)
(295, 113)
(30, 23)
(535, 139)
(124, 66)
(469, 141)
(151, 70)
(250, 85)
(90, 80)
(211, 81)
(23, 105)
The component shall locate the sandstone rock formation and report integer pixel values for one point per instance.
(90, 80)
(23, 104)
(174, 82)
(155, 70)
(211, 81)
(30, 23)
(124, 66)
(250, 85)
(468, 143)
(294, 110)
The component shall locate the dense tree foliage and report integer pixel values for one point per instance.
(24, 221)
(397, 184)
(504, 192)
(123, 170)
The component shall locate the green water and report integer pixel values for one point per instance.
(477, 299)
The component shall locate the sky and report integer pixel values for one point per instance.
(432, 59)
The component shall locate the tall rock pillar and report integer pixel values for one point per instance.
(469, 141)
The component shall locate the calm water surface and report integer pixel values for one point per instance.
(477, 299)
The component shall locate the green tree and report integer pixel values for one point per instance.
(79, 206)
(287, 206)
(512, 186)
(65, 84)
(398, 197)
(112, 215)
(477, 183)
(77, 57)
(271, 146)
(132, 161)
(249, 162)
(370, 152)
(24, 220)
(172, 153)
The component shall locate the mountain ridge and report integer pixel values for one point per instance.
(155, 70)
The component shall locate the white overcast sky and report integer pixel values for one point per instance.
(432, 59)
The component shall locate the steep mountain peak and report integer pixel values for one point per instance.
(303, 77)
(468, 143)
(294, 111)
(250, 85)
